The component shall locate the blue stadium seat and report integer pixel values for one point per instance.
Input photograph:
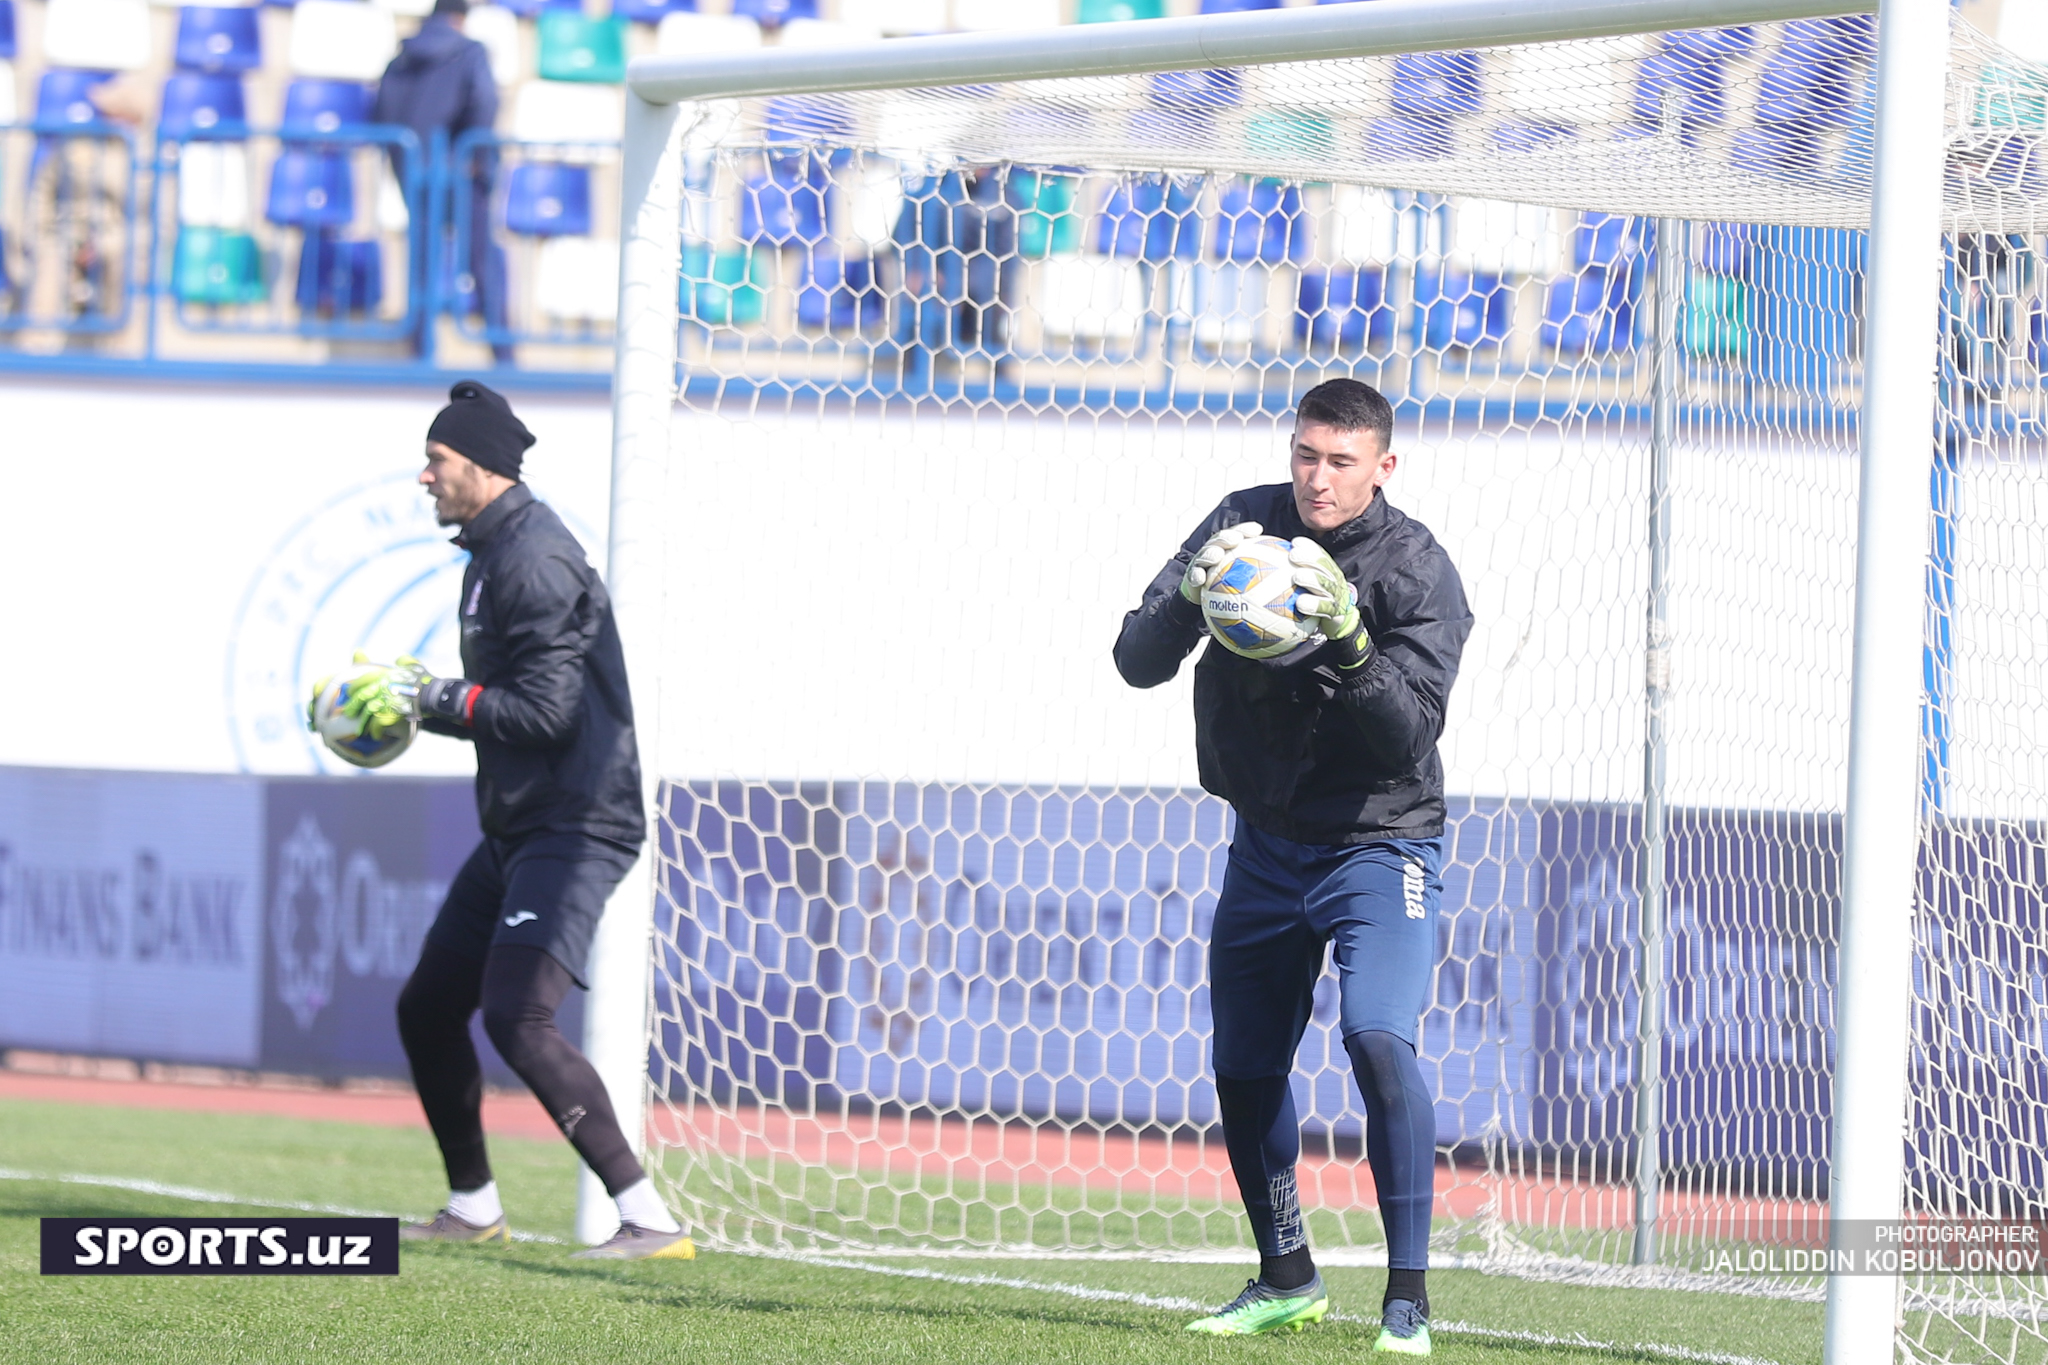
(1411, 138)
(1724, 249)
(1592, 311)
(218, 39)
(7, 44)
(808, 119)
(839, 294)
(1778, 149)
(64, 98)
(320, 107)
(201, 106)
(1603, 239)
(548, 199)
(1462, 308)
(1149, 219)
(789, 204)
(1234, 6)
(770, 13)
(1437, 84)
(338, 276)
(1260, 220)
(1219, 89)
(650, 11)
(310, 190)
(1689, 71)
(1343, 310)
(1809, 80)
(527, 9)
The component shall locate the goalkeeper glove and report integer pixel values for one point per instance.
(1214, 551)
(384, 698)
(1328, 596)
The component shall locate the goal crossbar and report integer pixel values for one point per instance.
(1198, 42)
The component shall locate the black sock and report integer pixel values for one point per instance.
(1407, 1284)
(1290, 1270)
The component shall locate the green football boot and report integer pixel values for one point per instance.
(1262, 1308)
(1404, 1331)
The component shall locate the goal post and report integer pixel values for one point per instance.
(913, 956)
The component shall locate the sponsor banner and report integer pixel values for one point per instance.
(357, 869)
(220, 1246)
(130, 920)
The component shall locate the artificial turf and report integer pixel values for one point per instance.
(528, 1302)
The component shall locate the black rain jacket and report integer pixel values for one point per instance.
(440, 80)
(555, 752)
(1297, 750)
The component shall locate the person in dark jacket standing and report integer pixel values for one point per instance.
(1328, 756)
(543, 697)
(440, 83)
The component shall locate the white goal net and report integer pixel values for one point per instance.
(961, 367)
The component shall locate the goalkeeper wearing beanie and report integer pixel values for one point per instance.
(543, 697)
(1328, 757)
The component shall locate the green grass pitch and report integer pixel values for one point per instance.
(529, 1303)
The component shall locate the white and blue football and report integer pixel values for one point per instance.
(1250, 601)
(341, 735)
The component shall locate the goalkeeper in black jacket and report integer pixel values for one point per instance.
(1328, 756)
(544, 698)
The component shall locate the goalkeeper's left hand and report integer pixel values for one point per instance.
(1329, 597)
(384, 698)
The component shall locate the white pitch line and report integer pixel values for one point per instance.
(1179, 1305)
(199, 1196)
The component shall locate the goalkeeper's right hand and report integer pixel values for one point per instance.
(1213, 552)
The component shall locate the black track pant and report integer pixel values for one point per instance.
(518, 989)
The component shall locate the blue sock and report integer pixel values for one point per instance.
(1400, 1146)
(1263, 1137)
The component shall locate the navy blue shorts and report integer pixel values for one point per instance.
(546, 892)
(1376, 904)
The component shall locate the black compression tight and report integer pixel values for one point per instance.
(518, 990)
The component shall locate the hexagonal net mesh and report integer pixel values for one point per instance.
(963, 367)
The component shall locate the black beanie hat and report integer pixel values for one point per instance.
(451, 7)
(478, 423)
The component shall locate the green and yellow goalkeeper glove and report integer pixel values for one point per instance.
(1329, 597)
(1214, 551)
(383, 698)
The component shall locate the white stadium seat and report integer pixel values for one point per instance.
(563, 111)
(408, 9)
(497, 28)
(1565, 86)
(992, 15)
(827, 33)
(577, 280)
(1361, 225)
(97, 35)
(685, 32)
(1090, 299)
(213, 185)
(895, 16)
(9, 110)
(1494, 236)
(342, 40)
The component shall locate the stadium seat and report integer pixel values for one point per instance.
(548, 199)
(1198, 90)
(310, 189)
(217, 268)
(213, 185)
(1591, 312)
(648, 11)
(1047, 224)
(1494, 237)
(7, 43)
(838, 293)
(1717, 317)
(408, 9)
(197, 106)
(1461, 308)
(1259, 220)
(1688, 75)
(1437, 84)
(497, 28)
(985, 16)
(685, 32)
(1229, 302)
(1149, 218)
(576, 279)
(1362, 226)
(64, 98)
(1090, 299)
(1724, 249)
(337, 276)
(220, 39)
(1806, 282)
(313, 108)
(97, 35)
(1809, 80)
(827, 33)
(1409, 138)
(1291, 132)
(1343, 310)
(1569, 87)
(10, 108)
(772, 13)
(787, 202)
(1236, 6)
(1604, 239)
(871, 199)
(342, 40)
(560, 111)
(1118, 11)
(722, 288)
(575, 48)
(895, 17)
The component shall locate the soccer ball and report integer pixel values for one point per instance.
(338, 732)
(1249, 601)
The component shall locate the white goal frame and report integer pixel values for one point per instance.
(1896, 461)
